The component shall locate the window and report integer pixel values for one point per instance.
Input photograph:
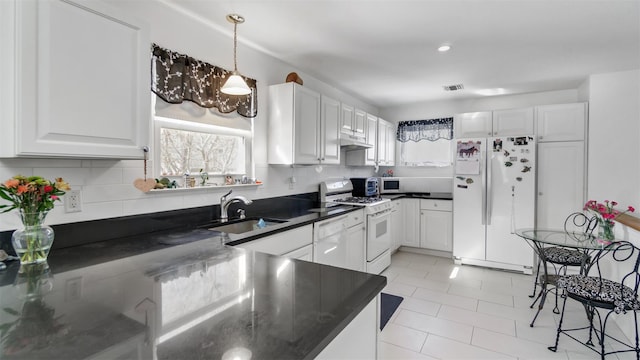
(426, 142)
(186, 147)
(426, 153)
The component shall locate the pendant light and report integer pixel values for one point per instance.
(235, 84)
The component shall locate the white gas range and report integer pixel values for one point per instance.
(378, 220)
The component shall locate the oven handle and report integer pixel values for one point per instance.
(379, 214)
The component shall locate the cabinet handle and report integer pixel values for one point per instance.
(540, 193)
(489, 133)
(540, 137)
(495, 133)
(435, 205)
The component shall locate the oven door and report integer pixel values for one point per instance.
(378, 234)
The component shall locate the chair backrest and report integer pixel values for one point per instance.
(619, 261)
(578, 221)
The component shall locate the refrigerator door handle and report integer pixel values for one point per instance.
(483, 177)
(489, 190)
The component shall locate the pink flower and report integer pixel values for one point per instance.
(48, 188)
(613, 203)
(54, 197)
(631, 209)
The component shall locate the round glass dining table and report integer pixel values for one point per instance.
(568, 239)
(539, 239)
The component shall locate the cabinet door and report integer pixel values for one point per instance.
(513, 122)
(475, 124)
(83, 79)
(304, 253)
(391, 144)
(561, 182)
(411, 213)
(397, 225)
(436, 230)
(382, 142)
(562, 122)
(371, 139)
(347, 116)
(307, 124)
(360, 124)
(330, 125)
(356, 250)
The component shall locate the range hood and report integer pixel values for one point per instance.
(351, 143)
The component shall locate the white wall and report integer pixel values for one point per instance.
(614, 133)
(614, 153)
(107, 186)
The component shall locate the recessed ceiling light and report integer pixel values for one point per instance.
(444, 47)
(491, 92)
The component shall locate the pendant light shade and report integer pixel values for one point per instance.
(235, 84)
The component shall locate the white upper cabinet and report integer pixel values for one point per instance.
(347, 118)
(562, 122)
(330, 129)
(371, 139)
(304, 126)
(81, 74)
(386, 145)
(513, 122)
(494, 123)
(474, 124)
(353, 121)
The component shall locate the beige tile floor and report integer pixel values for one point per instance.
(479, 314)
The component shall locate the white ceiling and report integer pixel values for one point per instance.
(385, 51)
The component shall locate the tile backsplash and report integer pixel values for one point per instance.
(107, 189)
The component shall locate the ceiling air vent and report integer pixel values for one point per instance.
(453, 87)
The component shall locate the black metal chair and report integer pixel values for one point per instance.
(597, 292)
(560, 259)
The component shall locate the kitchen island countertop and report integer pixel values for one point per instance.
(199, 300)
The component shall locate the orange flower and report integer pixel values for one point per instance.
(23, 189)
(11, 183)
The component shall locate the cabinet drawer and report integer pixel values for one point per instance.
(441, 205)
(354, 218)
(282, 243)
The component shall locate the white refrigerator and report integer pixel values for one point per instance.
(493, 194)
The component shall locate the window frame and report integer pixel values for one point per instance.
(160, 122)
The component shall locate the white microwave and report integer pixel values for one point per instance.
(389, 185)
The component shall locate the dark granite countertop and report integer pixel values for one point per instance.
(414, 195)
(199, 300)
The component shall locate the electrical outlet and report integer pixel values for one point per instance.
(72, 201)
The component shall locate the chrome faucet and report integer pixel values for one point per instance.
(224, 204)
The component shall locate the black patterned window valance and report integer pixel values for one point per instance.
(432, 130)
(177, 77)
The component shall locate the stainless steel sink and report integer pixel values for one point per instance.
(246, 225)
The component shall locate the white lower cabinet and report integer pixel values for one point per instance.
(436, 225)
(304, 253)
(397, 226)
(359, 340)
(428, 224)
(411, 213)
(283, 243)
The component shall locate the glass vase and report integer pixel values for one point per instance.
(605, 230)
(33, 242)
